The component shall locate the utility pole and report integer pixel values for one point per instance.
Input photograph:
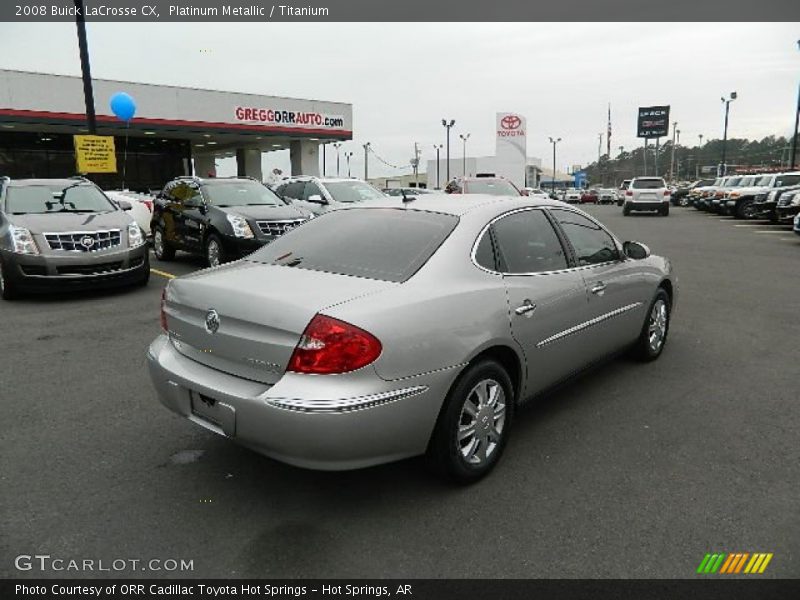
(86, 72)
(645, 156)
(677, 143)
(672, 155)
(464, 137)
(366, 160)
(337, 145)
(415, 164)
(553, 185)
(796, 122)
(448, 125)
(437, 147)
(723, 168)
(347, 155)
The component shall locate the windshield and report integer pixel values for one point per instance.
(240, 193)
(385, 244)
(746, 181)
(73, 197)
(765, 180)
(495, 187)
(786, 180)
(648, 184)
(352, 191)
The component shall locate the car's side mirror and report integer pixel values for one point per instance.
(124, 205)
(316, 199)
(635, 250)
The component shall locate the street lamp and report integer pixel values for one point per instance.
(796, 121)
(464, 137)
(678, 143)
(727, 102)
(337, 145)
(347, 155)
(437, 147)
(554, 142)
(448, 125)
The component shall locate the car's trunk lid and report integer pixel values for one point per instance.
(260, 312)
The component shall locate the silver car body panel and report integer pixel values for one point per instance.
(430, 326)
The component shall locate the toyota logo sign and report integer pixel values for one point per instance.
(510, 122)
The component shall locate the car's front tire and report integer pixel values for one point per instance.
(8, 289)
(473, 426)
(655, 329)
(215, 252)
(161, 247)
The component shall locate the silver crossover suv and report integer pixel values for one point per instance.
(379, 332)
(66, 234)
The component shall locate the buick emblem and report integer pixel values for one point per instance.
(212, 321)
(87, 242)
(510, 122)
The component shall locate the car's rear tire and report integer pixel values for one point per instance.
(8, 289)
(215, 252)
(473, 425)
(626, 210)
(161, 247)
(655, 329)
(664, 210)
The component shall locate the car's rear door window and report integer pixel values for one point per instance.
(527, 243)
(592, 244)
(386, 244)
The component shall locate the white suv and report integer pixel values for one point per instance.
(647, 193)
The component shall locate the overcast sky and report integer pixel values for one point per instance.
(402, 79)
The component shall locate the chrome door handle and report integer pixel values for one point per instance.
(526, 309)
(599, 288)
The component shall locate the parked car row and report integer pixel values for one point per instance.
(772, 196)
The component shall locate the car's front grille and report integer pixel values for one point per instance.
(95, 269)
(84, 241)
(278, 228)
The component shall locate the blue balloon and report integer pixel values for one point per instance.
(123, 106)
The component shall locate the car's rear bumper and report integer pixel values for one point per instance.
(647, 204)
(319, 422)
(75, 270)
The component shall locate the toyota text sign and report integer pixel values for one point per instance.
(653, 122)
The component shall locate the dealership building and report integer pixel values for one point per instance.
(175, 131)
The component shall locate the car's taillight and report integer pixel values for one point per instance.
(629, 193)
(148, 204)
(164, 326)
(667, 193)
(330, 346)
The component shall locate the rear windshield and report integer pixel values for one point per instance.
(785, 180)
(73, 197)
(240, 193)
(352, 191)
(386, 244)
(495, 187)
(647, 184)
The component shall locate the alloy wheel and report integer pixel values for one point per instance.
(158, 243)
(657, 325)
(212, 253)
(481, 424)
(2, 280)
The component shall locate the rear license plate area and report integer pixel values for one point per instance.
(206, 408)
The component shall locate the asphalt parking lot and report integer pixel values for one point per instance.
(631, 471)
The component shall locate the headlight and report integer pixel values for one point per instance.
(135, 237)
(734, 195)
(796, 200)
(240, 227)
(23, 241)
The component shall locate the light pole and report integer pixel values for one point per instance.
(448, 125)
(347, 155)
(366, 160)
(83, 48)
(553, 184)
(727, 102)
(678, 143)
(672, 155)
(796, 121)
(464, 137)
(437, 147)
(337, 145)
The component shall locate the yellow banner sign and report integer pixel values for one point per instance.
(95, 153)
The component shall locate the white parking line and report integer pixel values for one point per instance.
(795, 239)
(771, 231)
(759, 225)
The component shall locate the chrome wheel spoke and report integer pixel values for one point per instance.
(466, 431)
(481, 423)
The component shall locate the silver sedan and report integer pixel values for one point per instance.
(380, 332)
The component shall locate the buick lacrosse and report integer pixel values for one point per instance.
(385, 331)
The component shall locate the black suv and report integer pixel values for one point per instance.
(221, 218)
